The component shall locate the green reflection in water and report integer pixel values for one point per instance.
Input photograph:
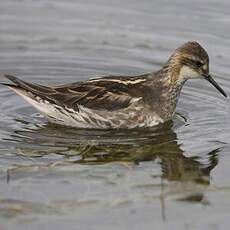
(127, 147)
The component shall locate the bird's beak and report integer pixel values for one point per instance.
(213, 82)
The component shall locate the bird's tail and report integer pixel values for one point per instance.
(33, 93)
(25, 86)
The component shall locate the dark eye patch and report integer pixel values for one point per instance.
(193, 62)
(198, 63)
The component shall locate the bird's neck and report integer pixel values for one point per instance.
(172, 85)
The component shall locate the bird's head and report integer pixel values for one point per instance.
(191, 61)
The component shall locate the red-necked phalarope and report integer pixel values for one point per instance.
(120, 101)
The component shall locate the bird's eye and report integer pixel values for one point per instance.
(198, 63)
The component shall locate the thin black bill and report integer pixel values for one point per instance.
(213, 82)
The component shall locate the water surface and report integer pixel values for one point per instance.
(174, 176)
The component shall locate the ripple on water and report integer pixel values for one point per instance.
(63, 174)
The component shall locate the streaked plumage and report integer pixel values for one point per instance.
(119, 101)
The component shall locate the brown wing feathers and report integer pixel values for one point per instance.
(102, 95)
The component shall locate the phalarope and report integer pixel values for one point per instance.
(120, 101)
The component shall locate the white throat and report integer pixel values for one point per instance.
(187, 73)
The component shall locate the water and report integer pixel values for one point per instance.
(174, 176)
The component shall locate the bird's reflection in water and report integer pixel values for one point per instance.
(92, 147)
(132, 148)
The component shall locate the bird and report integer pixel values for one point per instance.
(120, 102)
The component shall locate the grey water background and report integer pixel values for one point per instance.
(175, 176)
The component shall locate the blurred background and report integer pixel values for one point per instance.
(174, 176)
